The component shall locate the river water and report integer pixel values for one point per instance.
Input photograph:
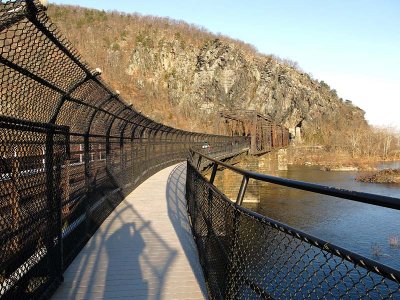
(362, 228)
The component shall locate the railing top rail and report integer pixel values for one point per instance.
(345, 254)
(374, 199)
(347, 273)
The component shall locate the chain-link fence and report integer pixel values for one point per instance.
(249, 256)
(70, 149)
(32, 168)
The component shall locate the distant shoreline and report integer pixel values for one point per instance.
(382, 176)
(336, 161)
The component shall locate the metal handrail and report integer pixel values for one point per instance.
(317, 242)
(356, 260)
(369, 198)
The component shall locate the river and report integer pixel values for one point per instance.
(362, 228)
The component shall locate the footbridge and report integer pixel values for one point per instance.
(97, 201)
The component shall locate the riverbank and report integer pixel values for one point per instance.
(382, 176)
(334, 160)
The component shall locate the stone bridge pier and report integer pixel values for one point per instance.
(270, 163)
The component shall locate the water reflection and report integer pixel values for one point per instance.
(362, 228)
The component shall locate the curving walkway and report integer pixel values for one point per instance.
(144, 250)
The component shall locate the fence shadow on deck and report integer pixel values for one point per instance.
(117, 263)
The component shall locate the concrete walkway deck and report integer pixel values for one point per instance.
(144, 250)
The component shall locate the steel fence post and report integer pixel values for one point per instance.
(86, 159)
(54, 204)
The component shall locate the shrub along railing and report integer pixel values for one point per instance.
(249, 256)
(70, 149)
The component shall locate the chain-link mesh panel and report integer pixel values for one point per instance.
(112, 149)
(249, 256)
(31, 192)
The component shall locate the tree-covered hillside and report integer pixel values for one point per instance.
(183, 75)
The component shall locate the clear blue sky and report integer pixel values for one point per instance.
(353, 45)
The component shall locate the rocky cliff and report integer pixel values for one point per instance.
(167, 66)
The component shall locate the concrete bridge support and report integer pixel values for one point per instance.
(229, 182)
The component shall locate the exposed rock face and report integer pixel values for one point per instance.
(221, 76)
(179, 68)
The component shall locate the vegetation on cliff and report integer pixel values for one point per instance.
(183, 75)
